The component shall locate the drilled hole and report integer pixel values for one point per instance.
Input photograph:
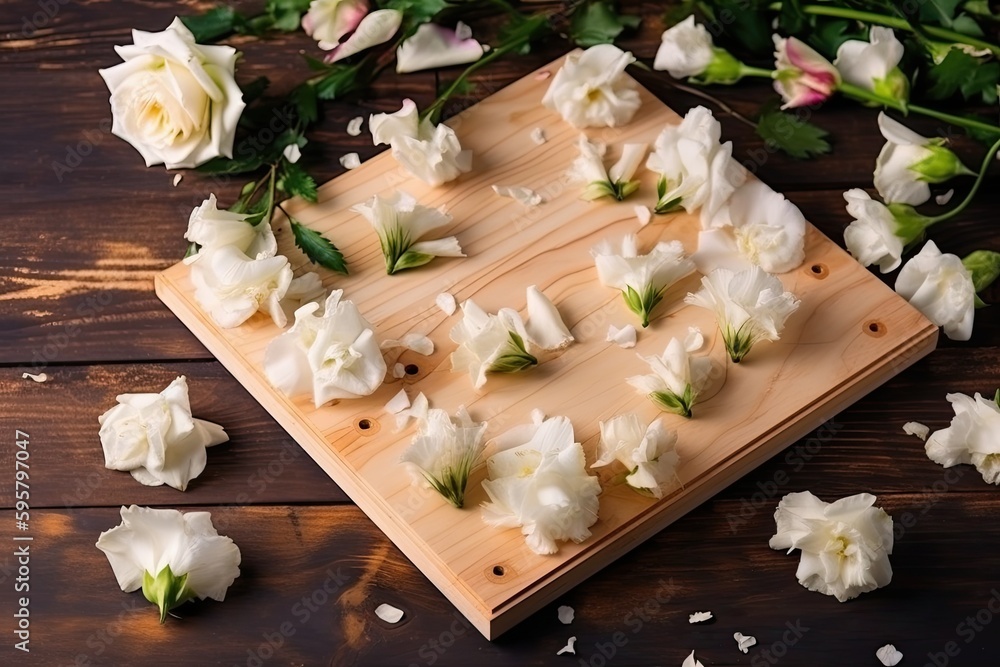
(411, 369)
(365, 424)
(819, 271)
(874, 328)
(498, 570)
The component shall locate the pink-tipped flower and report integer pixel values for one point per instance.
(329, 21)
(802, 77)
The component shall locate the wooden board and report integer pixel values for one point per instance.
(850, 334)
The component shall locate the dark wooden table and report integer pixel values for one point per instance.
(79, 250)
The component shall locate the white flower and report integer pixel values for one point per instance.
(444, 451)
(538, 482)
(677, 377)
(329, 21)
(211, 229)
(749, 306)
(972, 438)
(430, 152)
(888, 655)
(845, 545)
(591, 89)
(588, 169)
(489, 344)
(231, 287)
(154, 437)
(909, 161)
(758, 227)
(173, 557)
(874, 65)
(435, 46)
(175, 101)
(400, 224)
(648, 452)
(696, 172)
(545, 327)
(879, 232)
(939, 286)
(685, 49)
(642, 279)
(375, 28)
(332, 356)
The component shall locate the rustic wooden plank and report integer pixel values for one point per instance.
(260, 464)
(312, 576)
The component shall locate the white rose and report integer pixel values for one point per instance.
(430, 152)
(972, 438)
(685, 50)
(154, 437)
(591, 89)
(940, 287)
(845, 545)
(173, 557)
(211, 229)
(175, 101)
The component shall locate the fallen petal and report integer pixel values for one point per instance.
(178, 177)
(292, 153)
(691, 661)
(643, 214)
(888, 655)
(744, 642)
(568, 648)
(545, 326)
(521, 195)
(354, 126)
(397, 403)
(39, 378)
(944, 199)
(435, 46)
(388, 613)
(543, 75)
(566, 615)
(624, 337)
(418, 343)
(446, 302)
(350, 161)
(399, 371)
(538, 136)
(917, 429)
(375, 28)
(700, 617)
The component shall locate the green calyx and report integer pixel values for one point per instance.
(984, 267)
(910, 225)
(940, 165)
(515, 358)
(642, 303)
(724, 69)
(895, 85)
(166, 590)
(668, 401)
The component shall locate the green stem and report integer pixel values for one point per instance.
(975, 187)
(865, 95)
(270, 194)
(893, 22)
(746, 70)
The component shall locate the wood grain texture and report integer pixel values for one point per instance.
(827, 357)
(112, 223)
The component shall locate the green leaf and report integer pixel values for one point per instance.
(750, 27)
(597, 22)
(213, 24)
(343, 79)
(828, 36)
(984, 265)
(306, 104)
(938, 11)
(668, 401)
(296, 182)
(318, 248)
(416, 12)
(286, 15)
(791, 18)
(961, 72)
(798, 138)
(255, 89)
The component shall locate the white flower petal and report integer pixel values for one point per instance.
(350, 161)
(624, 169)
(446, 302)
(397, 403)
(744, 642)
(177, 179)
(522, 195)
(917, 429)
(700, 617)
(375, 28)
(888, 655)
(943, 199)
(388, 613)
(538, 136)
(292, 153)
(430, 152)
(691, 661)
(642, 214)
(939, 286)
(545, 326)
(434, 46)
(354, 126)
(566, 614)
(398, 371)
(36, 377)
(624, 337)
(569, 647)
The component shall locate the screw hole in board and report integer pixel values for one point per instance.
(874, 328)
(366, 426)
(411, 369)
(498, 570)
(819, 271)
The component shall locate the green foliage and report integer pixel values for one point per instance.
(222, 21)
(794, 136)
(296, 182)
(749, 26)
(791, 18)
(317, 247)
(416, 12)
(213, 24)
(597, 22)
(962, 73)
